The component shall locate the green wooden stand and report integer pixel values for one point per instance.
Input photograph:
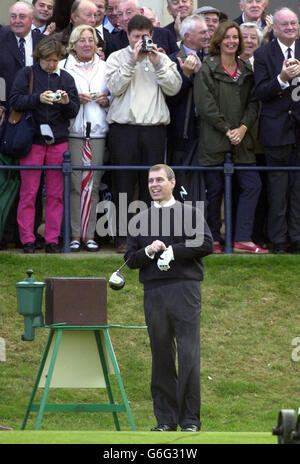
(102, 342)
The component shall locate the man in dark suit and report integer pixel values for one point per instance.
(254, 11)
(19, 42)
(110, 22)
(127, 10)
(179, 10)
(277, 75)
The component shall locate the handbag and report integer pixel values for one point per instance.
(19, 130)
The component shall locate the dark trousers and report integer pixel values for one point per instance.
(249, 185)
(172, 314)
(283, 194)
(135, 146)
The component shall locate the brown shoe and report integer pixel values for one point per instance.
(121, 248)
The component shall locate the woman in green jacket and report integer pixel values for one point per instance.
(225, 102)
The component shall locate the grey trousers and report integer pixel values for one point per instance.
(98, 150)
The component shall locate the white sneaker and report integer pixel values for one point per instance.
(91, 245)
(75, 245)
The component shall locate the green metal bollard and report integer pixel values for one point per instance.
(30, 296)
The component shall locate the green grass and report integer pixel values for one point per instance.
(250, 315)
(133, 438)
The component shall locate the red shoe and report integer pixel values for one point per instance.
(217, 248)
(243, 248)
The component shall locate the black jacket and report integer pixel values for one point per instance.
(10, 58)
(56, 115)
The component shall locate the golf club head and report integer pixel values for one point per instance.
(116, 281)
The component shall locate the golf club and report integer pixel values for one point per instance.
(117, 280)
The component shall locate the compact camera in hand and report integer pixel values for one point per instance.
(94, 95)
(147, 45)
(56, 97)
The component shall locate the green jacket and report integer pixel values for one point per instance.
(224, 104)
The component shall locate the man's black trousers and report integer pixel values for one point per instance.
(172, 314)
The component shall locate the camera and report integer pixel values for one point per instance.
(56, 96)
(94, 95)
(147, 45)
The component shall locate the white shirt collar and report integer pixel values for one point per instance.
(285, 47)
(26, 38)
(170, 202)
(41, 29)
(260, 24)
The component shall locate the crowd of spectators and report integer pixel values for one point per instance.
(209, 85)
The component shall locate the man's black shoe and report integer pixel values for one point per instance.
(29, 248)
(190, 428)
(295, 247)
(279, 248)
(164, 428)
(52, 248)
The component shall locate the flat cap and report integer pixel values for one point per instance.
(206, 9)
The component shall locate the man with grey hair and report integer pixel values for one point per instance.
(252, 11)
(182, 131)
(255, 11)
(277, 73)
(82, 12)
(179, 10)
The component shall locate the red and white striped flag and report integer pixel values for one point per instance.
(86, 184)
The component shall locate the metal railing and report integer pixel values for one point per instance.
(228, 168)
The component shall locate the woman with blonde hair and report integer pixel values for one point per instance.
(88, 70)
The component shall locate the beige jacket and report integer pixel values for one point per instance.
(138, 89)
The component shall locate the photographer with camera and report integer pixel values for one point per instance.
(138, 77)
(53, 102)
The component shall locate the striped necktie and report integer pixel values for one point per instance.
(22, 50)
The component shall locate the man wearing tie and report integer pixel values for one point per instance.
(277, 75)
(19, 43)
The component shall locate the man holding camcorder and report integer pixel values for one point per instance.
(138, 77)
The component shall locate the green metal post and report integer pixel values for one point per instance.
(38, 377)
(118, 375)
(48, 381)
(106, 376)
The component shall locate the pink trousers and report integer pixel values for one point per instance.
(50, 155)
